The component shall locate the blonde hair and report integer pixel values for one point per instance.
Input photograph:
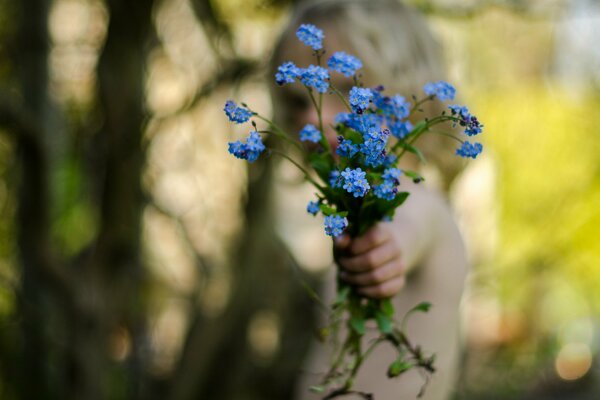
(396, 47)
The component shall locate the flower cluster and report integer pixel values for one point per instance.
(312, 207)
(310, 133)
(355, 182)
(472, 127)
(236, 114)
(343, 63)
(335, 225)
(357, 177)
(360, 99)
(388, 189)
(315, 77)
(249, 150)
(443, 90)
(346, 148)
(469, 149)
(287, 73)
(362, 164)
(311, 36)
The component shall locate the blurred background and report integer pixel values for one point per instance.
(137, 263)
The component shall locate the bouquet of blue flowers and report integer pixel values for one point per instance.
(357, 185)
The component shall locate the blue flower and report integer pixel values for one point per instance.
(249, 150)
(346, 148)
(343, 63)
(355, 182)
(310, 133)
(469, 149)
(335, 225)
(313, 207)
(373, 147)
(387, 190)
(311, 36)
(316, 77)
(238, 149)
(362, 123)
(472, 126)
(286, 73)
(392, 174)
(394, 108)
(443, 90)
(401, 128)
(236, 114)
(360, 98)
(390, 160)
(469, 121)
(335, 179)
(460, 110)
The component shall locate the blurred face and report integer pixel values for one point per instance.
(298, 107)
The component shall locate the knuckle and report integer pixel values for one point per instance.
(378, 275)
(370, 260)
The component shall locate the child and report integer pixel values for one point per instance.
(419, 256)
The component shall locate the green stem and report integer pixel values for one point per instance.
(418, 103)
(279, 132)
(341, 96)
(324, 142)
(448, 135)
(306, 174)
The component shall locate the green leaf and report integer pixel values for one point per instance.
(323, 334)
(384, 323)
(413, 150)
(387, 307)
(326, 210)
(343, 214)
(418, 128)
(422, 307)
(413, 175)
(317, 389)
(397, 367)
(322, 164)
(358, 325)
(342, 295)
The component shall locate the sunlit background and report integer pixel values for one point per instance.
(529, 207)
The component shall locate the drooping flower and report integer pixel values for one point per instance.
(469, 149)
(249, 150)
(335, 225)
(346, 148)
(310, 133)
(313, 207)
(360, 98)
(469, 121)
(458, 110)
(344, 63)
(286, 73)
(236, 114)
(311, 36)
(355, 181)
(315, 77)
(443, 90)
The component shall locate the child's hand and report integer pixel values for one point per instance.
(373, 262)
